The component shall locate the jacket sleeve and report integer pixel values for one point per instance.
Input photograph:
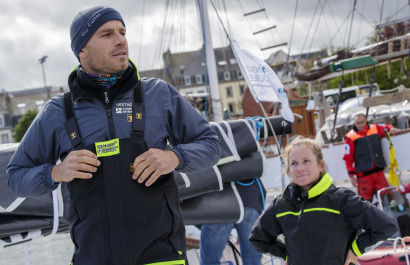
(348, 156)
(382, 127)
(29, 170)
(193, 140)
(378, 226)
(265, 232)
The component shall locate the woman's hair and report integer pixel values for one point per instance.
(299, 140)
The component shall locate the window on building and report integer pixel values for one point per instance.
(229, 93)
(5, 138)
(233, 61)
(239, 74)
(227, 75)
(21, 108)
(231, 108)
(39, 104)
(242, 89)
(187, 80)
(2, 121)
(198, 79)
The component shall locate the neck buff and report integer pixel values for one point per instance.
(107, 80)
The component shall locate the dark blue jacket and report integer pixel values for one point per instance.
(169, 118)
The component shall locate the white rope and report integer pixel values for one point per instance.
(230, 142)
(238, 197)
(56, 216)
(219, 177)
(186, 179)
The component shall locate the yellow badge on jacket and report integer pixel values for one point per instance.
(108, 148)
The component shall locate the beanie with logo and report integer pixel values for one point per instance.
(86, 23)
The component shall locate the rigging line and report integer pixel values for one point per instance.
(327, 24)
(290, 42)
(161, 36)
(339, 29)
(181, 25)
(310, 26)
(249, 24)
(363, 17)
(314, 33)
(332, 134)
(401, 9)
(361, 20)
(220, 20)
(165, 29)
(141, 30)
(362, 39)
(223, 39)
(334, 21)
(226, 16)
(374, 66)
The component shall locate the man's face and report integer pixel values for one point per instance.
(107, 50)
(360, 123)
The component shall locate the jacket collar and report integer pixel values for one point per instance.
(82, 86)
(292, 191)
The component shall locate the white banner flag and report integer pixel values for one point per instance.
(262, 81)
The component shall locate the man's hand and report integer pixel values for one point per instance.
(351, 258)
(354, 181)
(152, 164)
(394, 131)
(78, 164)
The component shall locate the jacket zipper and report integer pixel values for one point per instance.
(303, 228)
(109, 115)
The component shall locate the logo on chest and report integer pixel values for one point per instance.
(123, 108)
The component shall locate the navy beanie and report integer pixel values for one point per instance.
(87, 22)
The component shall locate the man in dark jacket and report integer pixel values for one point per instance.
(111, 133)
(364, 156)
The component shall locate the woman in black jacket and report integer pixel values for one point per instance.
(319, 221)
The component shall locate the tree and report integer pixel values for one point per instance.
(23, 125)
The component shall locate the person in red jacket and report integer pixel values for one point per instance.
(363, 156)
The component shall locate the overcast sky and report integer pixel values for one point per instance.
(32, 29)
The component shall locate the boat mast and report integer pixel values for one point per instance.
(210, 62)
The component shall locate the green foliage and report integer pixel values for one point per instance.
(397, 76)
(23, 125)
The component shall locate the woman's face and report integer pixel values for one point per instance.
(304, 168)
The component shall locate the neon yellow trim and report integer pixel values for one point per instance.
(138, 74)
(321, 209)
(321, 187)
(107, 148)
(308, 210)
(356, 248)
(287, 213)
(173, 262)
(70, 73)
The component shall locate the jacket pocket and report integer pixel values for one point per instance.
(87, 231)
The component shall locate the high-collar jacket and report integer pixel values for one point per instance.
(320, 226)
(102, 114)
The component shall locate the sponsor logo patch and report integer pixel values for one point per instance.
(347, 149)
(108, 148)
